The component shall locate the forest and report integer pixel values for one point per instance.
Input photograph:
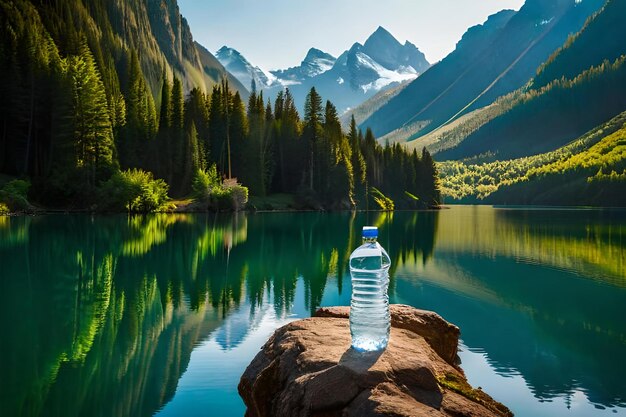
(80, 128)
(590, 170)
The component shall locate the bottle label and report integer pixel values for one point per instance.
(367, 252)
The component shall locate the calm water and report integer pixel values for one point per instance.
(119, 316)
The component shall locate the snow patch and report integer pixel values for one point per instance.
(546, 21)
(386, 76)
(319, 66)
(287, 83)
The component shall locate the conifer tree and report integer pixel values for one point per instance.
(176, 139)
(141, 125)
(93, 134)
(237, 134)
(191, 158)
(254, 152)
(177, 104)
(359, 166)
(217, 128)
(432, 194)
(165, 114)
(338, 176)
(312, 131)
(197, 112)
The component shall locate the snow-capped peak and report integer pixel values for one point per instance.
(243, 70)
(315, 62)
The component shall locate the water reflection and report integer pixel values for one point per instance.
(106, 311)
(540, 293)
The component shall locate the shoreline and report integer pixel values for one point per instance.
(189, 209)
(44, 212)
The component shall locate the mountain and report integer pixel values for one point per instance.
(315, 63)
(154, 27)
(383, 48)
(558, 140)
(352, 78)
(369, 106)
(602, 38)
(236, 64)
(490, 60)
(364, 70)
(580, 85)
(216, 71)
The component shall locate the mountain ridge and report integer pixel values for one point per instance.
(559, 139)
(358, 73)
(490, 61)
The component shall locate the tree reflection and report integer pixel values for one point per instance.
(101, 314)
(540, 292)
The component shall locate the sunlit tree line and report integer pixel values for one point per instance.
(72, 116)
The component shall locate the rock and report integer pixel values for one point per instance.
(307, 368)
(442, 336)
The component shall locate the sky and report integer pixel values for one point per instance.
(276, 34)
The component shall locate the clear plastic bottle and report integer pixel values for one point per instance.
(369, 308)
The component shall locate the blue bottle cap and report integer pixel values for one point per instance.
(370, 231)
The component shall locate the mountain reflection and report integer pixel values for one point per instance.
(106, 310)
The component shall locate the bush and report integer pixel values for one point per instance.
(204, 182)
(208, 188)
(232, 197)
(4, 210)
(238, 195)
(136, 191)
(14, 195)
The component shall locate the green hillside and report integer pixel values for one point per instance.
(589, 171)
(602, 38)
(534, 121)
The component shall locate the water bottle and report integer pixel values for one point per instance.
(369, 308)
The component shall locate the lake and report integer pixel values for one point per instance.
(137, 316)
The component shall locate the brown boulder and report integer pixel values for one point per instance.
(307, 368)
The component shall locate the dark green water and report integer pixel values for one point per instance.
(119, 316)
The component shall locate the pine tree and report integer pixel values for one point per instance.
(178, 105)
(217, 128)
(93, 134)
(197, 112)
(237, 135)
(359, 165)
(191, 158)
(165, 114)
(430, 179)
(338, 176)
(176, 143)
(312, 130)
(268, 150)
(295, 149)
(254, 155)
(141, 126)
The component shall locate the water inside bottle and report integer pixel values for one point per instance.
(369, 313)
